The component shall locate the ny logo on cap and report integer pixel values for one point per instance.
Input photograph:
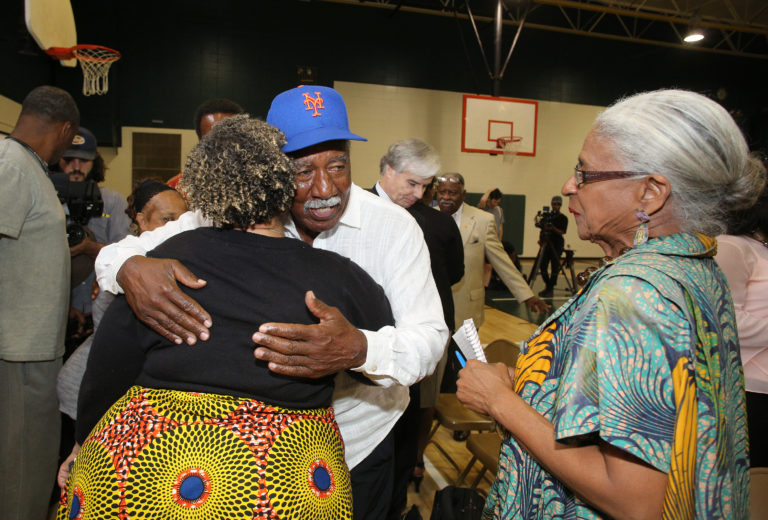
(314, 103)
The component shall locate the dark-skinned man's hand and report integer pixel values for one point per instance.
(537, 305)
(77, 315)
(86, 247)
(151, 291)
(312, 350)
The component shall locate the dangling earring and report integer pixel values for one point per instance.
(641, 235)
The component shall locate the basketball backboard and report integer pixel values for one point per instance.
(52, 24)
(486, 119)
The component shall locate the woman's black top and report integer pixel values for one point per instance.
(252, 279)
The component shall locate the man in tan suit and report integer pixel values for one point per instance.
(478, 232)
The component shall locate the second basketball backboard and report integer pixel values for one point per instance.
(52, 24)
(486, 119)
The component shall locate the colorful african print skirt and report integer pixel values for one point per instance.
(166, 454)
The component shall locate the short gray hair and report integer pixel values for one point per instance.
(413, 155)
(692, 141)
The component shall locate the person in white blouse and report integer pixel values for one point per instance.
(743, 256)
(331, 213)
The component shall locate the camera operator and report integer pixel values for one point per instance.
(553, 226)
(82, 162)
(34, 272)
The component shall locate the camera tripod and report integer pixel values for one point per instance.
(562, 263)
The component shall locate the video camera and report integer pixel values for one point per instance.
(83, 198)
(543, 219)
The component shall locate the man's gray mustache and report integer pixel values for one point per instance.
(322, 203)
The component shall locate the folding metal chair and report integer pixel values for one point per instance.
(484, 447)
(451, 414)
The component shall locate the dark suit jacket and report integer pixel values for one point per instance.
(446, 252)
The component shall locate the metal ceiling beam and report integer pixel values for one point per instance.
(659, 15)
(723, 38)
(738, 37)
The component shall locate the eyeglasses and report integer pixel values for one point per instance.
(585, 177)
(450, 179)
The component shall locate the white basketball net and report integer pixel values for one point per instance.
(511, 147)
(95, 63)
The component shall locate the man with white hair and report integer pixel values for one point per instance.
(407, 169)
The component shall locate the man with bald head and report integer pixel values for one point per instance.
(34, 294)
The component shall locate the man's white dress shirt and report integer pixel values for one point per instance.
(457, 215)
(384, 240)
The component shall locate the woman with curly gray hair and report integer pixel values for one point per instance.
(628, 402)
(208, 431)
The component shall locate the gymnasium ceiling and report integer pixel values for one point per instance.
(731, 27)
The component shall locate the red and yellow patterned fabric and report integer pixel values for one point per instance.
(169, 455)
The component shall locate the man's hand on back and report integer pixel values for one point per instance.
(151, 291)
(312, 350)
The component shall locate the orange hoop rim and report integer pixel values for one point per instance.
(68, 53)
(502, 142)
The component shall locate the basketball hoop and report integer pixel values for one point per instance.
(509, 146)
(95, 61)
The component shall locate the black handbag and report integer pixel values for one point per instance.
(457, 503)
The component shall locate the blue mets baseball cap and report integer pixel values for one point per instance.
(309, 115)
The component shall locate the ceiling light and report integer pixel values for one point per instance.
(694, 32)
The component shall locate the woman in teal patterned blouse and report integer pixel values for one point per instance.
(628, 402)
